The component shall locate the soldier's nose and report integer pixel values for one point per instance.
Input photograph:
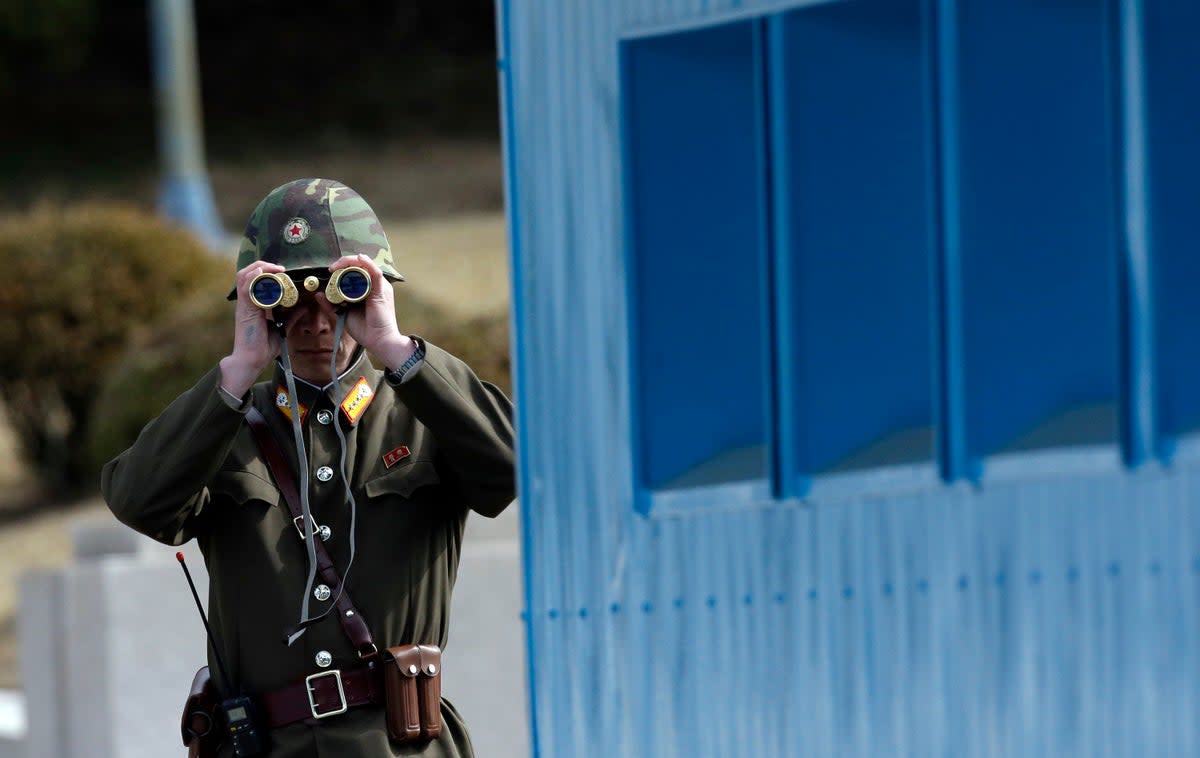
(315, 323)
(310, 318)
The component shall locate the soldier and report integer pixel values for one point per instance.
(397, 458)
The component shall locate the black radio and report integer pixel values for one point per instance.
(240, 717)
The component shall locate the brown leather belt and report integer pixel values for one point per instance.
(324, 694)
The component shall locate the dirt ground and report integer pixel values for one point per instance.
(453, 251)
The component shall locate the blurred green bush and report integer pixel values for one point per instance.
(482, 341)
(78, 281)
(163, 361)
(157, 365)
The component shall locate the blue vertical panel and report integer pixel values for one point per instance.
(1037, 254)
(562, 137)
(1139, 418)
(510, 140)
(695, 188)
(1171, 71)
(852, 199)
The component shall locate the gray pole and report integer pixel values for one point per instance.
(185, 194)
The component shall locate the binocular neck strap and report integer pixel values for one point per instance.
(302, 470)
(302, 454)
(341, 435)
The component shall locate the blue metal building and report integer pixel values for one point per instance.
(857, 404)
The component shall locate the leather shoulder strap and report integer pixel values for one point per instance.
(352, 621)
(281, 469)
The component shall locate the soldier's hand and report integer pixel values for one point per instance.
(255, 342)
(372, 323)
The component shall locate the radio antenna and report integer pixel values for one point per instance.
(211, 640)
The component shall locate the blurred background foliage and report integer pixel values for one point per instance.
(74, 317)
(47, 35)
(275, 77)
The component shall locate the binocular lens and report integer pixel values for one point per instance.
(271, 290)
(266, 291)
(348, 285)
(354, 285)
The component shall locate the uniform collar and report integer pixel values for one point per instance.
(353, 390)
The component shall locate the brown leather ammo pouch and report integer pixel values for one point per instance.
(198, 726)
(412, 679)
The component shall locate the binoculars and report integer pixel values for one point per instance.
(344, 286)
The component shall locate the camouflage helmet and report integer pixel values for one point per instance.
(309, 224)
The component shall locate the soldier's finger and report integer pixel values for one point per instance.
(360, 260)
(372, 268)
(255, 268)
(247, 276)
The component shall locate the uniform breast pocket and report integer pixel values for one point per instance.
(403, 482)
(243, 487)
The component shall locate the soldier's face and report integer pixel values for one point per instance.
(310, 328)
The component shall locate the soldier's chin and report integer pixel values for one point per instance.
(312, 366)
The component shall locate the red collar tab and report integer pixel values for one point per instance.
(355, 403)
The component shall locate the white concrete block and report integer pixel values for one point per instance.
(13, 748)
(485, 672)
(152, 642)
(40, 639)
(98, 538)
(14, 725)
(109, 646)
(13, 721)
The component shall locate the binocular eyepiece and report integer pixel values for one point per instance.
(345, 286)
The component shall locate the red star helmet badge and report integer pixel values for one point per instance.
(295, 231)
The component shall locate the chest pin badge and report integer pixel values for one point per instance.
(395, 455)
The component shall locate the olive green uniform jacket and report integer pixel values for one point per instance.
(196, 471)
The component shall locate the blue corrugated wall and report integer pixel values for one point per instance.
(1039, 613)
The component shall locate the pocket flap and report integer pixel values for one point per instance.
(406, 659)
(244, 486)
(431, 659)
(405, 481)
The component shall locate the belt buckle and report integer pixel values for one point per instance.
(312, 703)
